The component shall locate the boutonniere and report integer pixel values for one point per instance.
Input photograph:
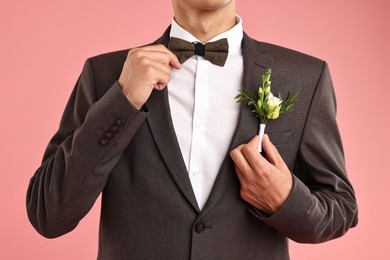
(265, 105)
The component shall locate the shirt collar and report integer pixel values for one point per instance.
(233, 35)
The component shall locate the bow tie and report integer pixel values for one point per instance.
(215, 52)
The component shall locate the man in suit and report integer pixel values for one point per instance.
(176, 159)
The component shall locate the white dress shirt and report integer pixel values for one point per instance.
(204, 111)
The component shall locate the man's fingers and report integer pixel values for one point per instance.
(239, 173)
(174, 61)
(254, 141)
(252, 155)
(270, 150)
(264, 184)
(240, 161)
(157, 53)
(165, 57)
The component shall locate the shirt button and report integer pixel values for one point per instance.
(198, 124)
(200, 227)
(195, 173)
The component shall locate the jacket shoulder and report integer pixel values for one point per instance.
(291, 64)
(104, 70)
(283, 56)
(109, 62)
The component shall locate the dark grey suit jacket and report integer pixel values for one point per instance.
(104, 145)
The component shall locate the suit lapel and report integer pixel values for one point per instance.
(161, 126)
(256, 61)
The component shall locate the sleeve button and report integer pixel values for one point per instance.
(114, 129)
(120, 121)
(108, 135)
(103, 142)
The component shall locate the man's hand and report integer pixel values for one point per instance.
(265, 183)
(146, 68)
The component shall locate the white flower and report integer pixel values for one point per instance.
(273, 114)
(273, 101)
(274, 105)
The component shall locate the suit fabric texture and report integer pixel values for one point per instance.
(149, 211)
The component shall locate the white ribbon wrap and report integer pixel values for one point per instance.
(261, 134)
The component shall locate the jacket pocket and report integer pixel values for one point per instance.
(279, 139)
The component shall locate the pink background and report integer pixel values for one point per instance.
(43, 47)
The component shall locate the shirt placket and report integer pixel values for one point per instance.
(198, 149)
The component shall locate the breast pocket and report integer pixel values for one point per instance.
(279, 139)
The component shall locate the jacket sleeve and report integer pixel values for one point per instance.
(322, 204)
(79, 158)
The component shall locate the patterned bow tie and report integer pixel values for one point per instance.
(215, 52)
